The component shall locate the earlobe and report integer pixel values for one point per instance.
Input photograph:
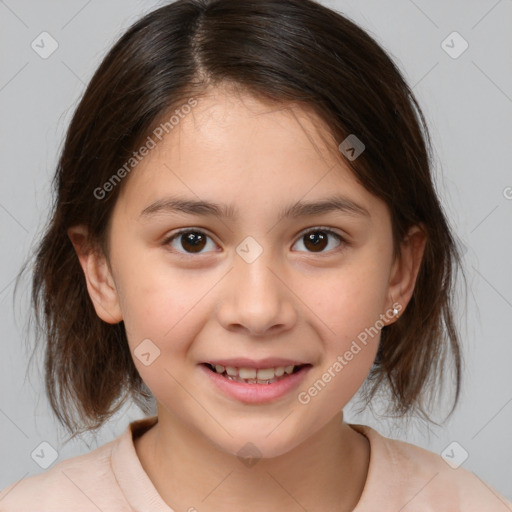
(99, 280)
(406, 268)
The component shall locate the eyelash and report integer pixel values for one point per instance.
(323, 229)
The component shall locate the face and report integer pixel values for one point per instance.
(248, 287)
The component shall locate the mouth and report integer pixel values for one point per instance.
(250, 375)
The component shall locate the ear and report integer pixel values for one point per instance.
(405, 269)
(100, 283)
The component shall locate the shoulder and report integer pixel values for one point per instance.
(415, 479)
(84, 483)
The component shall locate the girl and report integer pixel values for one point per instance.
(246, 231)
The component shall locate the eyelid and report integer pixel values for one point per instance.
(187, 230)
(321, 228)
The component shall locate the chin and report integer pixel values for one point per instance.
(257, 443)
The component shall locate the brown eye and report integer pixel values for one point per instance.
(193, 241)
(189, 241)
(318, 239)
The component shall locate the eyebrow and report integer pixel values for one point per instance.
(174, 204)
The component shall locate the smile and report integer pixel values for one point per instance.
(254, 375)
(255, 385)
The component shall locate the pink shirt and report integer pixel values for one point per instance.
(401, 477)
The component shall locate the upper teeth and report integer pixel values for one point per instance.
(254, 373)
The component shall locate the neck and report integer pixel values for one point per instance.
(325, 472)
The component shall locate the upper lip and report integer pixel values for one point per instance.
(243, 362)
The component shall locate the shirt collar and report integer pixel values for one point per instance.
(142, 495)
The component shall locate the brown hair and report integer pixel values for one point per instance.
(284, 51)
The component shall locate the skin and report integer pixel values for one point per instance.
(290, 302)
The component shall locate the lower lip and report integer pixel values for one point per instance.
(257, 393)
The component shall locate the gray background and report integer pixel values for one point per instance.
(468, 104)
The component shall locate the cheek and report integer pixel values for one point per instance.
(348, 311)
(348, 320)
(164, 311)
(352, 301)
(155, 296)
(162, 319)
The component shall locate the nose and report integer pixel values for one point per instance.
(255, 299)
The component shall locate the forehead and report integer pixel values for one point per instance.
(228, 126)
(237, 148)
